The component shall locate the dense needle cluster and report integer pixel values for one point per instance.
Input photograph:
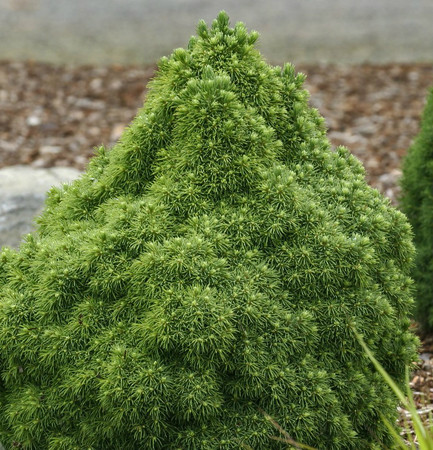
(212, 267)
(417, 203)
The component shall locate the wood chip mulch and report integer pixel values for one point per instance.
(56, 115)
(421, 384)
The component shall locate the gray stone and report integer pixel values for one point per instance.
(22, 194)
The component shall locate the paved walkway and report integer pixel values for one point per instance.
(141, 31)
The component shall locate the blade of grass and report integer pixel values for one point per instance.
(397, 438)
(425, 440)
(287, 439)
(391, 383)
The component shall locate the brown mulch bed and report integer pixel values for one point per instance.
(421, 385)
(56, 115)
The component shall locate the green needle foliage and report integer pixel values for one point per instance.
(417, 203)
(207, 273)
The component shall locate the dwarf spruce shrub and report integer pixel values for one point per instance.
(417, 203)
(209, 271)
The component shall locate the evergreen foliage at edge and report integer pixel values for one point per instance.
(212, 265)
(417, 203)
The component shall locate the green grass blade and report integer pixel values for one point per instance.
(397, 438)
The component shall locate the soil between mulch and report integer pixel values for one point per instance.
(56, 115)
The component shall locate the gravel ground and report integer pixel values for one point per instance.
(55, 116)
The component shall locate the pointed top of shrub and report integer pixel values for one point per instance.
(214, 264)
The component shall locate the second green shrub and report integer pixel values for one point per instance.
(417, 203)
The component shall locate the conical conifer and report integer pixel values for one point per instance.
(209, 270)
(417, 203)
